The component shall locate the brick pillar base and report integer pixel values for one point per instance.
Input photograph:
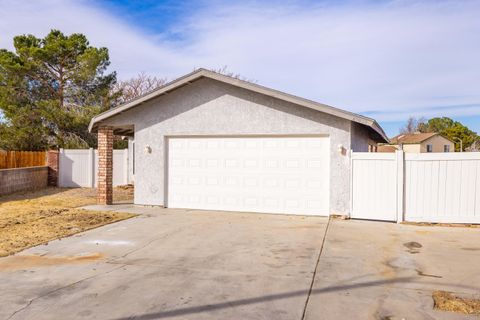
(52, 163)
(105, 165)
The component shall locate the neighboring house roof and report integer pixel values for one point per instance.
(386, 148)
(203, 73)
(414, 138)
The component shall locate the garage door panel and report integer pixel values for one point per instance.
(261, 174)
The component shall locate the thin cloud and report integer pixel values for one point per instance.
(393, 58)
(130, 51)
(453, 111)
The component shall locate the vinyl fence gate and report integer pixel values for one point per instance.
(79, 168)
(417, 187)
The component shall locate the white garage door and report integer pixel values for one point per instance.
(251, 174)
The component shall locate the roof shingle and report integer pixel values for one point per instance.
(412, 138)
(386, 148)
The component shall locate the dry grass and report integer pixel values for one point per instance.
(435, 224)
(446, 301)
(32, 218)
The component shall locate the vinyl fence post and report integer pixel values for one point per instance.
(125, 166)
(61, 169)
(350, 153)
(91, 168)
(400, 159)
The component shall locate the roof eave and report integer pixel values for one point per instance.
(375, 126)
(197, 74)
(142, 99)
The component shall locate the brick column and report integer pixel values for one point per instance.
(105, 165)
(52, 163)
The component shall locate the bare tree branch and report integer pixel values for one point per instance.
(413, 125)
(224, 70)
(137, 86)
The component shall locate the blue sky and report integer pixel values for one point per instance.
(385, 59)
(151, 16)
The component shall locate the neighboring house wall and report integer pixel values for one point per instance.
(437, 143)
(412, 148)
(209, 107)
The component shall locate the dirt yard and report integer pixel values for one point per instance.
(32, 218)
(447, 301)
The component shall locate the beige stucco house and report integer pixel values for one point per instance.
(420, 143)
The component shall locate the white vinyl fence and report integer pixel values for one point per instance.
(374, 186)
(79, 167)
(423, 187)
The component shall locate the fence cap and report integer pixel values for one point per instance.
(25, 168)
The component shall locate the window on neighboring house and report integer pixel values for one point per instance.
(446, 148)
(429, 148)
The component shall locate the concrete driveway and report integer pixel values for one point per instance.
(187, 264)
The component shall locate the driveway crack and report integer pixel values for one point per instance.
(29, 303)
(146, 244)
(315, 270)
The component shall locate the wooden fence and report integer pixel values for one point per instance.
(22, 159)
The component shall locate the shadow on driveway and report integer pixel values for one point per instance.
(261, 299)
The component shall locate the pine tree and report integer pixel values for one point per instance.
(49, 90)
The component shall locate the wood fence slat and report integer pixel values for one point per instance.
(21, 159)
(3, 159)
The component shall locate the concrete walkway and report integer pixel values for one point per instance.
(188, 264)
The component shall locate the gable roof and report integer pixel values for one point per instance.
(386, 148)
(414, 138)
(203, 73)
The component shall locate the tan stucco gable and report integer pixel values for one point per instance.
(438, 142)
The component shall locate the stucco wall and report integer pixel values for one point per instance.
(437, 143)
(131, 160)
(411, 148)
(360, 138)
(209, 107)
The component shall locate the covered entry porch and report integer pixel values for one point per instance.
(105, 136)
